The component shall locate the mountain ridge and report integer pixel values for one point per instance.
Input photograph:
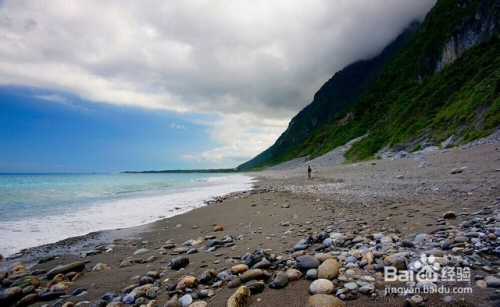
(442, 84)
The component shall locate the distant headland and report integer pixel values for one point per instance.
(175, 171)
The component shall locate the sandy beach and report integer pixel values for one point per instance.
(367, 212)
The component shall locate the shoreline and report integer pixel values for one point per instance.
(105, 213)
(400, 200)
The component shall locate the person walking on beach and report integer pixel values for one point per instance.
(309, 171)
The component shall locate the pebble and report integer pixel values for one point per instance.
(280, 281)
(325, 300)
(351, 286)
(492, 281)
(344, 259)
(293, 274)
(312, 274)
(240, 298)
(250, 275)
(417, 299)
(321, 286)
(141, 251)
(329, 269)
(307, 262)
(179, 263)
(186, 300)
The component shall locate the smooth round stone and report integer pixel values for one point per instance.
(350, 273)
(141, 251)
(179, 263)
(153, 274)
(250, 274)
(351, 286)
(397, 261)
(328, 242)
(323, 300)
(307, 262)
(492, 281)
(321, 286)
(145, 280)
(263, 264)
(312, 274)
(329, 269)
(448, 299)
(293, 274)
(322, 257)
(235, 283)
(420, 238)
(481, 284)
(350, 259)
(303, 244)
(186, 300)
(407, 243)
(240, 268)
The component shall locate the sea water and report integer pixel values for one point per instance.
(38, 209)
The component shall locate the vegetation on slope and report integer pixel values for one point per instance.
(414, 99)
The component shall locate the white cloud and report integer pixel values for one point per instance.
(175, 126)
(264, 59)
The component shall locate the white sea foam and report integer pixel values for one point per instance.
(115, 212)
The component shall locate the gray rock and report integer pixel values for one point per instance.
(492, 281)
(141, 251)
(407, 243)
(367, 289)
(307, 262)
(280, 281)
(312, 274)
(263, 264)
(397, 261)
(186, 300)
(351, 286)
(179, 263)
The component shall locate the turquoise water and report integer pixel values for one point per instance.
(37, 209)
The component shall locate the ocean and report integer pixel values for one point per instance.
(37, 209)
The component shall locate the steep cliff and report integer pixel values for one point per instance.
(481, 23)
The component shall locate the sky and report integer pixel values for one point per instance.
(110, 86)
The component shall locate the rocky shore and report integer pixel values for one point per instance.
(408, 230)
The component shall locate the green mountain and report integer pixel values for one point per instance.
(437, 81)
